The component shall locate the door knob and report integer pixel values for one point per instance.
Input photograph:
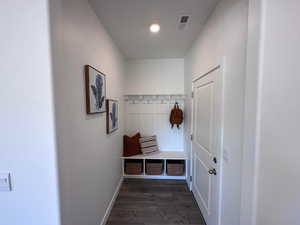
(212, 171)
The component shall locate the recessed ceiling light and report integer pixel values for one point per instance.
(154, 28)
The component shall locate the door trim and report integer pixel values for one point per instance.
(253, 88)
(209, 71)
(220, 121)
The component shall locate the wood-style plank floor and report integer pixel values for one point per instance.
(155, 202)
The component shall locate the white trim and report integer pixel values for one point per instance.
(188, 175)
(209, 72)
(252, 129)
(221, 134)
(111, 203)
(191, 141)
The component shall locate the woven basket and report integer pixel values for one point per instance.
(154, 167)
(175, 168)
(134, 167)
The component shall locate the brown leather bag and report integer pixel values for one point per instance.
(176, 116)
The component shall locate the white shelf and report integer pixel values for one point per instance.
(161, 155)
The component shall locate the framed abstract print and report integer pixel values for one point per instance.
(95, 85)
(112, 118)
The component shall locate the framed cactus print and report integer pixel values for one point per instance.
(112, 118)
(95, 85)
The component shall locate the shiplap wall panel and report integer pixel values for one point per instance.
(150, 116)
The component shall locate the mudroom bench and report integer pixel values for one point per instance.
(159, 165)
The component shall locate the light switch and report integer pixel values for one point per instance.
(5, 182)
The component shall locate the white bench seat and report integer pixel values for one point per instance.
(160, 155)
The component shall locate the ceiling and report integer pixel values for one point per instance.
(128, 22)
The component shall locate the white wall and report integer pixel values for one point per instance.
(278, 184)
(154, 81)
(89, 160)
(155, 76)
(225, 34)
(27, 137)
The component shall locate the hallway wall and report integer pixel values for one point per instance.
(278, 109)
(27, 132)
(225, 34)
(89, 160)
(155, 76)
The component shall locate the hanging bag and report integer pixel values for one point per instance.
(176, 117)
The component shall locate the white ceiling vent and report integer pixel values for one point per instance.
(184, 20)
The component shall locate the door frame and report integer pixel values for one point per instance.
(220, 121)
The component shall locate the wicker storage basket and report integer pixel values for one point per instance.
(175, 167)
(154, 167)
(133, 167)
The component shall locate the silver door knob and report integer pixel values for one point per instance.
(212, 171)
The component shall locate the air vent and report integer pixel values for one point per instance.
(183, 21)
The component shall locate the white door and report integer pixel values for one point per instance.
(206, 143)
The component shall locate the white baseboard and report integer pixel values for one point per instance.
(111, 204)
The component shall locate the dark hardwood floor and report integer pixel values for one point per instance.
(155, 202)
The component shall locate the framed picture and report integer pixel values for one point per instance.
(95, 85)
(112, 118)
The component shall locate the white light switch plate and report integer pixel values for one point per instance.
(5, 182)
